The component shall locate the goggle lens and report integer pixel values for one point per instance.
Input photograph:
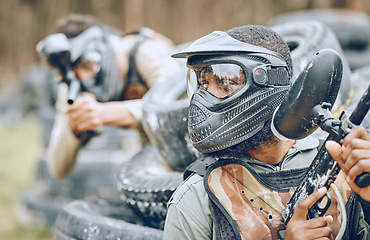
(220, 80)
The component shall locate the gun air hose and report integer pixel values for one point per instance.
(343, 211)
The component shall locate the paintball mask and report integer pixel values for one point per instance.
(234, 89)
(63, 54)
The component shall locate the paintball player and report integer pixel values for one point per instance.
(238, 188)
(114, 71)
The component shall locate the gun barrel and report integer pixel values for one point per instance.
(361, 109)
(74, 89)
(363, 180)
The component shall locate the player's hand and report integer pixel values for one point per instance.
(316, 228)
(84, 114)
(353, 158)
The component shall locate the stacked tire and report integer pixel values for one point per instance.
(304, 39)
(352, 29)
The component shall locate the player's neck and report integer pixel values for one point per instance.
(272, 153)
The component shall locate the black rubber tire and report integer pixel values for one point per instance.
(305, 38)
(358, 59)
(146, 184)
(94, 177)
(38, 210)
(350, 27)
(82, 220)
(165, 111)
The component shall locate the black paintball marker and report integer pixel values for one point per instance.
(55, 51)
(306, 108)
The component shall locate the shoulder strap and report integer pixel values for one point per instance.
(133, 75)
(199, 166)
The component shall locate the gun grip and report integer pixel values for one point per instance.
(363, 180)
(87, 135)
(316, 210)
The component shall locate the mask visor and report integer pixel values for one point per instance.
(220, 80)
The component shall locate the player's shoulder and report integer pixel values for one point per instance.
(190, 190)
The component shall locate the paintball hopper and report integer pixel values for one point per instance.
(318, 83)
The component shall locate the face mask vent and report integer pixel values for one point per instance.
(255, 58)
(196, 116)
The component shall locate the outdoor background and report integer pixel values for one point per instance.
(25, 22)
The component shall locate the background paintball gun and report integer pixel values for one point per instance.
(55, 51)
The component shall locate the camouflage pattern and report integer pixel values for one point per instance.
(256, 209)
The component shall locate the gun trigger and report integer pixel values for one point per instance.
(316, 210)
